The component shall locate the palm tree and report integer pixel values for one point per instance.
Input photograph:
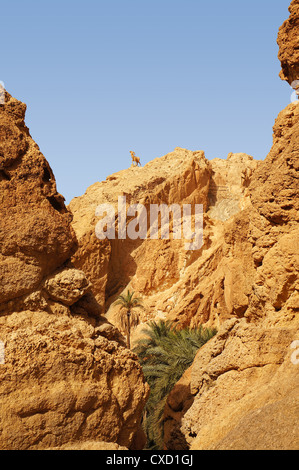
(127, 302)
(165, 353)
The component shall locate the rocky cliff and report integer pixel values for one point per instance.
(66, 377)
(241, 391)
(67, 381)
(244, 280)
(288, 42)
(186, 286)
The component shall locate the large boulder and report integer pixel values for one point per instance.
(244, 384)
(288, 42)
(63, 383)
(36, 235)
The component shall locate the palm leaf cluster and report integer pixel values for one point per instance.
(165, 353)
(130, 318)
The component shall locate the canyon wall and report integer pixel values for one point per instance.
(66, 378)
(288, 42)
(175, 283)
(241, 393)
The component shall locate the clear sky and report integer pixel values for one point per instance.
(101, 78)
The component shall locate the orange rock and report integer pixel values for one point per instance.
(244, 382)
(35, 231)
(288, 42)
(173, 282)
(64, 384)
(66, 380)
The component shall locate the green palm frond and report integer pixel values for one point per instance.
(165, 352)
(127, 300)
(130, 319)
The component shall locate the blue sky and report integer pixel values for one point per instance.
(101, 78)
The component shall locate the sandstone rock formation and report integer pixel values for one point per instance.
(63, 383)
(242, 390)
(91, 445)
(288, 42)
(35, 231)
(174, 282)
(67, 380)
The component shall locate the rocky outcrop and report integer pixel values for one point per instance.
(63, 383)
(35, 231)
(244, 388)
(274, 188)
(66, 380)
(36, 236)
(241, 393)
(91, 445)
(288, 42)
(182, 285)
(110, 264)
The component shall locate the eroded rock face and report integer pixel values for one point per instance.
(67, 380)
(288, 42)
(63, 383)
(181, 176)
(67, 285)
(174, 283)
(244, 387)
(241, 392)
(274, 188)
(35, 231)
